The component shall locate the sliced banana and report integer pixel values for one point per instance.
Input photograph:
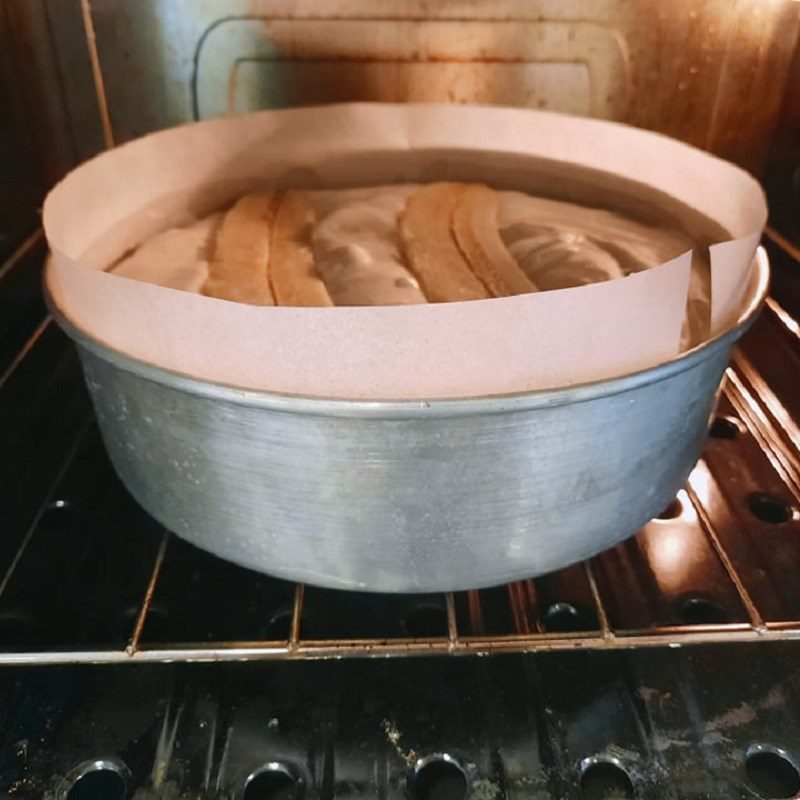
(474, 226)
(430, 249)
(292, 272)
(238, 269)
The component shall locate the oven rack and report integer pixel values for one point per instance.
(92, 579)
(86, 577)
(529, 634)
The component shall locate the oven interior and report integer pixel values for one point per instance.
(134, 665)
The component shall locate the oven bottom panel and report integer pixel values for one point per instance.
(651, 724)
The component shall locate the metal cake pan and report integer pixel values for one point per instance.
(407, 496)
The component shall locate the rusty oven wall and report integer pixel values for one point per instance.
(712, 72)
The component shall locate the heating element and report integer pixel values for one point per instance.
(91, 579)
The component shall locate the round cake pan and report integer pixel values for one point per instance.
(407, 496)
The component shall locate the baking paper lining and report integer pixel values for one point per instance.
(527, 342)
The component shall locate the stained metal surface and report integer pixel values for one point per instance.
(672, 725)
(169, 61)
(84, 73)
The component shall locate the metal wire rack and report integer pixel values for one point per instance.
(719, 565)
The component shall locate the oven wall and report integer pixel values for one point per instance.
(711, 72)
(48, 109)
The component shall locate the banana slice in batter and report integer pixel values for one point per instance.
(431, 252)
(474, 226)
(238, 269)
(292, 273)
